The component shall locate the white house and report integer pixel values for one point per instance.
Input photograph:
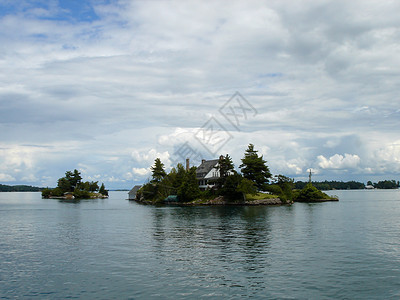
(207, 173)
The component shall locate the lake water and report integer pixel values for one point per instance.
(116, 249)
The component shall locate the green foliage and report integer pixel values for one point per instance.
(254, 168)
(332, 185)
(19, 188)
(225, 165)
(177, 176)
(57, 192)
(230, 189)
(285, 185)
(88, 186)
(246, 186)
(309, 194)
(158, 171)
(189, 189)
(46, 193)
(387, 184)
(147, 192)
(64, 185)
(274, 189)
(74, 178)
(260, 196)
(81, 194)
(226, 168)
(103, 190)
(179, 181)
(72, 183)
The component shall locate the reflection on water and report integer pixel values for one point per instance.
(209, 243)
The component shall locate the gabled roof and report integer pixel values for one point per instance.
(134, 190)
(205, 167)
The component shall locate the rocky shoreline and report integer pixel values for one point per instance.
(221, 201)
(70, 196)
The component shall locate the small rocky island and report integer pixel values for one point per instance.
(72, 187)
(215, 182)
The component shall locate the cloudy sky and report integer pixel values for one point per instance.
(107, 86)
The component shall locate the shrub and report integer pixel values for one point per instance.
(310, 193)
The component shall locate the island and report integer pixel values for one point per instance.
(72, 187)
(216, 182)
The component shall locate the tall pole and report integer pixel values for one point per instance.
(309, 177)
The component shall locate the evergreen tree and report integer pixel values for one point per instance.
(254, 168)
(74, 178)
(103, 190)
(158, 170)
(230, 189)
(189, 189)
(225, 165)
(93, 186)
(64, 185)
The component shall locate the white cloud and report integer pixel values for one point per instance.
(148, 156)
(141, 171)
(6, 177)
(339, 161)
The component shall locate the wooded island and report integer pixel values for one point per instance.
(71, 186)
(217, 182)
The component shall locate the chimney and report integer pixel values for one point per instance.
(187, 164)
(203, 161)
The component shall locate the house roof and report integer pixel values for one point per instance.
(205, 167)
(134, 190)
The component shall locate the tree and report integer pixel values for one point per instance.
(254, 168)
(103, 190)
(247, 186)
(225, 165)
(230, 189)
(283, 187)
(74, 178)
(189, 189)
(158, 170)
(93, 186)
(178, 176)
(64, 185)
(310, 194)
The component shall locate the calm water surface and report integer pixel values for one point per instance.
(116, 249)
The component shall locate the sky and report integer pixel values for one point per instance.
(106, 87)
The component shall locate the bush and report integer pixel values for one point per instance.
(310, 193)
(46, 193)
(81, 194)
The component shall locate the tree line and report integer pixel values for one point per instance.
(19, 188)
(332, 185)
(385, 184)
(348, 185)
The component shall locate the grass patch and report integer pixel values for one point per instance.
(260, 196)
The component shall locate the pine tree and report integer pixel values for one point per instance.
(225, 165)
(103, 190)
(158, 170)
(254, 168)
